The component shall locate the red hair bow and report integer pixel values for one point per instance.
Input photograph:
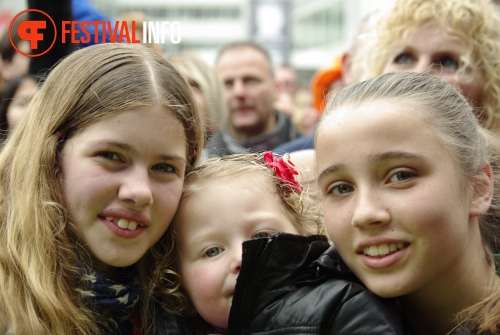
(284, 170)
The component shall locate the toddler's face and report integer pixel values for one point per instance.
(211, 226)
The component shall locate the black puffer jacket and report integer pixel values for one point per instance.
(292, 284)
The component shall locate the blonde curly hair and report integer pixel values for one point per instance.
(475, 22)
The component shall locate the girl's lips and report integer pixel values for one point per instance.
(123, 232)
(122, 213)
(123, 223)
(384, 248)
(385, 244)
(384, 261)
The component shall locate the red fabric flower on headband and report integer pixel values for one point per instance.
(284, 170)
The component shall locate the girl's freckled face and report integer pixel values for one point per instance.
(386, 178)
(129, 166)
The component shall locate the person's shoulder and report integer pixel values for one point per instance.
(300, 143)
(85, 10)
(292, 130)
(302, 282)
(354, 309)
(362, 312)
(167, 323)
(214, 140)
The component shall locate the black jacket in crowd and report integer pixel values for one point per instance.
(292, 284)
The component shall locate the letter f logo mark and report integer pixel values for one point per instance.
(28, 31)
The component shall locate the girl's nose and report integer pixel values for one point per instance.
(370, 210)
(136, 188)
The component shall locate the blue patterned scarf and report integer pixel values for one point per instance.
(112, 300)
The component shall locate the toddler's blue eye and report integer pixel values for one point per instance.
(212, 252)
(262, 234)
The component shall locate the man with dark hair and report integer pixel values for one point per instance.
(252, 124)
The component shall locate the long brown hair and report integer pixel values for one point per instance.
(38, 246)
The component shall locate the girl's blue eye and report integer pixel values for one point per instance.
(401, 176)
(109, 155)
(341, 189)
(164, 167)
(212, 252)
(262, 234)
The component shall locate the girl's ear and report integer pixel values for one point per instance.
(483, 191)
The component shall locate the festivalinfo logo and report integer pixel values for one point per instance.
(76, 32)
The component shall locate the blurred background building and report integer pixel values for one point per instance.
(305, 34)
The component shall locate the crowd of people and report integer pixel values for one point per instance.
(151, 194)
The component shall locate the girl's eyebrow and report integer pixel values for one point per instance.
(384, 156)
(330, 170)
(113, 144)
(396, 155)
(129, 148)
